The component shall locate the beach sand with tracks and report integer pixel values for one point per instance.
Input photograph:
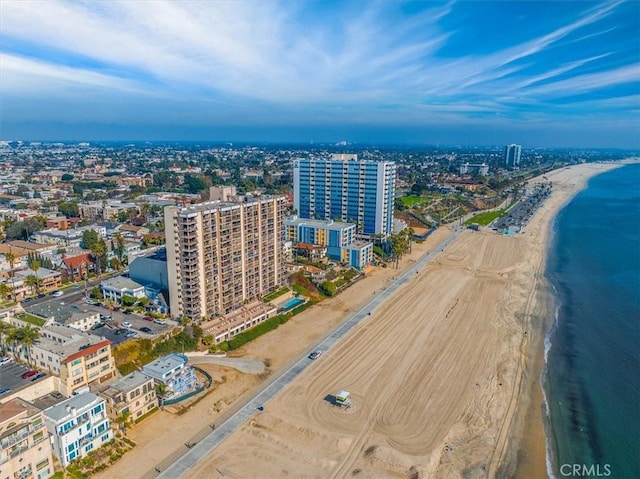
(441, 376)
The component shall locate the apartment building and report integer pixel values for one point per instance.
(77, 358)
(25, 449)
(222, 254)
(345, 188)
(134, 394)
(77, 426)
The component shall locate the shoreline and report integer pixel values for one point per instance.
(530, 452)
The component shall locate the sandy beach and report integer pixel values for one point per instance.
(444, 377)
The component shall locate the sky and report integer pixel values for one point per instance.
(555, 74)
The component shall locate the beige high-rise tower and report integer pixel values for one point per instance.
(223, 254)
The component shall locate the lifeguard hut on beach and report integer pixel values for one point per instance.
(342, 399)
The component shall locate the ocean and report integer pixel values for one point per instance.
(592, 376)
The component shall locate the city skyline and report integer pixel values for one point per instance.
(558, 74)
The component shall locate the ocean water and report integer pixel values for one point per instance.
(592, 379)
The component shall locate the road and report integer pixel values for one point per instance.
(273, 386)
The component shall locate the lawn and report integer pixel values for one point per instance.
(484, 219)
(29, 318)
(410, 200)
(275, 294)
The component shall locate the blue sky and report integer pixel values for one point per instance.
(563, 73)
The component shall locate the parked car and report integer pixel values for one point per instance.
(120, 331)
(57, 294)
(315, 355)
(144, 329)
(5, 360)
(126, 324)
(159, 321)
(147, 318)
(97, 326)
(27, 300)
(41, 295)
(29, 374)
(38, 376)
(4, 391)
(131, 334)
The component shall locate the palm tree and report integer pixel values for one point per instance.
(33, 282)
(5, 290)
(161, 391)
(28, 336)
(123, 420)
(35, 266)
(5, 329)
(11, 258)
(12, 338)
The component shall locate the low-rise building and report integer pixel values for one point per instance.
(173, 372)
(134, 394)
(77, 358)
(75, 316)
(358, 254)
(25, 449)
(78, 426)
(116, 288)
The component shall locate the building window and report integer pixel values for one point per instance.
(75, 362)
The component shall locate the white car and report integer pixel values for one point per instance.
(4, 360)
(57, 294)
(159, 321)
(126, 324)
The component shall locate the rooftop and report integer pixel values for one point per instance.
(15, 407)
(59, 412)
(74, 341)
(131, 382)
(164, 364)
(320, 224)
(60, 312)
(120, 282)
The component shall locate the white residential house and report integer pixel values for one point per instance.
(77, 426)
(116, 288)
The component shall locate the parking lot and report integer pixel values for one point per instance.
(114, 321)
(10, 377)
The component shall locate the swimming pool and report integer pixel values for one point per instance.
(291, 303)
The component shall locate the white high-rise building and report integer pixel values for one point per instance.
(512, 155)
(346, 189)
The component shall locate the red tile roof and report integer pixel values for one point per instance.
(91, 349)
(75, 262)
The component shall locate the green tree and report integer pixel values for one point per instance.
(5, 291)
(124, 419)
(27, 336)
(5, 329)
(69, 209)
(33, 282)
(329, 288)
(11, 258)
